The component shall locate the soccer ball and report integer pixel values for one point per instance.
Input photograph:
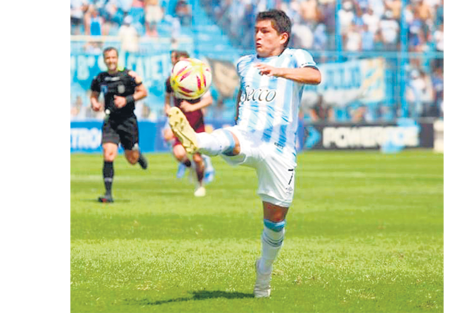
(190, 79)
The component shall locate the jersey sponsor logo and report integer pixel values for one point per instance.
(113, 79)
(258, 95)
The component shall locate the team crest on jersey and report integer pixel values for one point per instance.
(258, 95)
(104, 89)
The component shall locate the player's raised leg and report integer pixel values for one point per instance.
(221, 141)
(135, 156)
(129, 137)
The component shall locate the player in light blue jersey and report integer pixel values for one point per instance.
(264, 138)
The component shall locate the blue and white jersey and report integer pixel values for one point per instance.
(269, 106)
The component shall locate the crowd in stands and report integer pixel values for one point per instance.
(365, 25)
(106, 17)
(372, 26)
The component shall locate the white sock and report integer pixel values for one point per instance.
(218, 142)
(271, 243)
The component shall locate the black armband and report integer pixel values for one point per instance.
(130, 99)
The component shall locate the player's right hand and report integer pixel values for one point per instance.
(186, 107)
(96, 106)
(167, 110)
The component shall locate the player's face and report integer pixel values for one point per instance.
(173, 58)
(111, 60)
(268, 41)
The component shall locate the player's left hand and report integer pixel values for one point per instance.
(265, 69)
(185, 106)
(119, 102)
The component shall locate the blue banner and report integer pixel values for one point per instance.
(85, 137)
(153, 68)
(351, 81)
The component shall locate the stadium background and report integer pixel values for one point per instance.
(381, 61)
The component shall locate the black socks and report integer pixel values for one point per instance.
(108, 174)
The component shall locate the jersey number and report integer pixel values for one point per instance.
(292, 176)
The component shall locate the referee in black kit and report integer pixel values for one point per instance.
(121, 88)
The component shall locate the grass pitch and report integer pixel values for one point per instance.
(364, 234)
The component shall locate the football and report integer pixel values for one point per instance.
(190, 79)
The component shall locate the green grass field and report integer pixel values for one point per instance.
(364, 234)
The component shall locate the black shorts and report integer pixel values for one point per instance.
(121, 130)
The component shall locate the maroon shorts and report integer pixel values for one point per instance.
(196, 120)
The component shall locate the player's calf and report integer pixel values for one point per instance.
(135, 156)
(271, 240)
(108, 175)
(271, 243)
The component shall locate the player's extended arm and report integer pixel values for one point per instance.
(140, 90)
(95, 103)
(304, 75)
(205, 101)
(140, 93)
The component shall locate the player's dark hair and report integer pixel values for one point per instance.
(183, 54)
(110, 49)
(179, 53)
(280, 21)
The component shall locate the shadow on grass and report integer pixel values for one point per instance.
(199, 295)
(95, 200)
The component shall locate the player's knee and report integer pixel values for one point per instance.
(109, 156)
(275, 226)
(179, 152)
(168, 135)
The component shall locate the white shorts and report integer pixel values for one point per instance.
(276, 173)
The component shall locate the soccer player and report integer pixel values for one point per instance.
(192, 110)
(121, 89)
(264, 137)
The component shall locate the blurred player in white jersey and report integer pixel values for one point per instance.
(264, 138)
